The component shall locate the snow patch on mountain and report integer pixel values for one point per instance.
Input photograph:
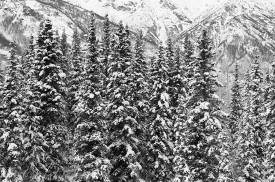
(158, 18)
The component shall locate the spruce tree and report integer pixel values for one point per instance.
(247, 94)
(267, 85)
(188, 58)
(234, 127)
(204, 124)
(159, 145)
(11, 128)
(138, 97)
(180, 167)
(75, 78)
(271, 127)
(64, 46)
(89, 136)
(175, 78)
(122, 127)
(176, 89)
(28, 57)
(236, 105)
(106, 45)
(45, 137)
(252, 144)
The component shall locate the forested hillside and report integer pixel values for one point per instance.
(101, 112)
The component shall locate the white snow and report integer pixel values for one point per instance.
(130, 151)
(12, 146)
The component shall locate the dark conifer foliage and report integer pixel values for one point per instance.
(138, 95)
(29, 57)
(106, 45)
(45, 116)
(253, 148)
(179, 116)
(159, 145)
(175, 84)
(75, 78)
(235, 122)
(188, 57)
(122, 125)
(89, 135)
(236, 105)
(271, 127)
(202, 150)
(64, 47)
(11, 121)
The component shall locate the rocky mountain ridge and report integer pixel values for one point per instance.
(240, 30)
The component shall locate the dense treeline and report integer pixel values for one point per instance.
(99, 111)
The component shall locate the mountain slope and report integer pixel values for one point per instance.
(240, 30)
(20, 19)
(158, 19)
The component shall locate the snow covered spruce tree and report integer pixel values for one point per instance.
(234, 124)
(252, 144)
(188, 58)
(179, 117)
(236, 105)
(267, 85)
(122, 125)
(175, 80)
(139, 101)
(202, 150)
(28, 58)
(90, 138)
(45, 122)
(176, 93)
(159, 145)
(247, 94)
(75, 78)
(271, 127)
(11, 122)
(106, 45)
(64, 47)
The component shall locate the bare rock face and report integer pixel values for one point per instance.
(158, 19)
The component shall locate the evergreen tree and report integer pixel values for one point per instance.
(45, 137)
(90, 140)
(64, 46)
(11, 122)
(122, 127)
(247, 95)
(106, 45)
(75, 78)
(175, 89)
(28, 58)
(271, 127)
(75, 50)
(175, 78)
(234, 124)
(267, 84)
(253, 141)
(188, 58)
(159, 145)
(138, 96)
(202, 151)
(236, 105)
(180, 167)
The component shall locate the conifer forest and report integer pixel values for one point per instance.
(101, 110)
